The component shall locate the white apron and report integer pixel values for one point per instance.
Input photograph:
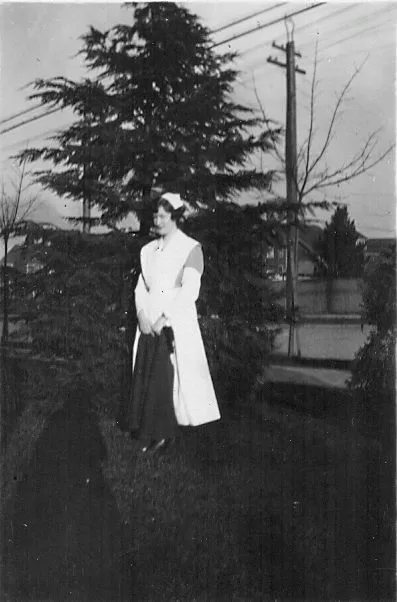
(166, 287)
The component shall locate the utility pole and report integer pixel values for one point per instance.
(291, 185)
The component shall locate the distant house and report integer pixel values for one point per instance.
(309, 260)
(275, 259)
(374, 247)
(22, 259)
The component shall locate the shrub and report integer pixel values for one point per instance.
(374, 365)
(237, 354)
(76, 305)
(373, 373)
(379, 295)
(236, 302)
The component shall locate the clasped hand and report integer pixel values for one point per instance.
(146, 327)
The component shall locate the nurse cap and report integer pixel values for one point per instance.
(174, 199)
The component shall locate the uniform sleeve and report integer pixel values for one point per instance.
(196, 260)
(190, 284)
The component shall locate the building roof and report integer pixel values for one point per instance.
(309, 236)
(18, 257)
(14, 255)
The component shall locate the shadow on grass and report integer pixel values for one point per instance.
(62, 531)
(278, 500)
(269, 503)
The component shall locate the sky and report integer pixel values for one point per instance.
(41, 40)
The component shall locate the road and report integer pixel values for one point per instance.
(326, 341)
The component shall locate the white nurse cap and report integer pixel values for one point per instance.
(174, 199)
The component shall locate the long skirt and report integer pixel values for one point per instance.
(151, 415)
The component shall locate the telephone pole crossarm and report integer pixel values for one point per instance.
(284, 49)
(274, 61)
(270, 59)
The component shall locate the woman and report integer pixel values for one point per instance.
(171, 382)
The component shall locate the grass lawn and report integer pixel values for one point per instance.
(267, 504)
(274, 502)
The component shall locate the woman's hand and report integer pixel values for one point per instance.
(159, 325)
(144, 324)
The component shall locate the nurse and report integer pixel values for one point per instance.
(171, 382)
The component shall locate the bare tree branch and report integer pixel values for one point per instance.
(13, 211)
(357, 172)
(335, 114)
(266, 122)
(11, 219)
(358, 161)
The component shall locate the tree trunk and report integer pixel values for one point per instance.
(146, 212)
(4, 336)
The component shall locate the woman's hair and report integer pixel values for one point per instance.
(176, 214)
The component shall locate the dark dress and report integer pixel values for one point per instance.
(151, 410)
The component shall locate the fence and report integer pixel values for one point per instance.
(327, 296)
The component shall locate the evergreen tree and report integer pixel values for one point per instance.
(236, 304)
(82, 155)
(340, 246)
(76, 304)
(234, 286)
(156, 112)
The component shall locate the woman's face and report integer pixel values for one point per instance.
(163, 222)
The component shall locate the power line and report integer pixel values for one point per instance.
(312, 23)
(237, 36)
(269, 24)
(12, 117)
(17, 125)
(366, 50)
(224, 41)
(301, 28)
(242, 20)
(356, 23)
(326, 17)
(248, 32)
(30, 139)
(259, 63)
(354, 35)
(222, 28)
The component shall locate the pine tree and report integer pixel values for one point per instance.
(157, 111)
(234, 287)
(236, 303)
(79, 154)
(340, 246)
